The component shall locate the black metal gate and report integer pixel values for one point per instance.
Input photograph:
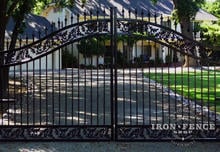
(110, 78)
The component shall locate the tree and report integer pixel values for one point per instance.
(184, 11)
(211, 30)
(3, 19)
(17, 9)
(91, 47)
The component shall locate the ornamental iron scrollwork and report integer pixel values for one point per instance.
(155, 32)
(147, 133)
(58, 133)
(55, 40)
(145, 30)
(101, 133)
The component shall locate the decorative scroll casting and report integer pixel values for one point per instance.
(147, 133)
(55, 40)
(58, 133)
(169, 37)
(71, 33)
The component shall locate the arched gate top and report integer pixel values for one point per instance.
(145, 29)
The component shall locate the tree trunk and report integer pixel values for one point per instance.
(186, 29)
(3, 71)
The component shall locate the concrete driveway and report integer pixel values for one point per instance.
(75, 97)
(79, 97)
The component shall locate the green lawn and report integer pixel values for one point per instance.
(199, 86)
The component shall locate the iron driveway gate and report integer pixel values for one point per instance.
(131, 87)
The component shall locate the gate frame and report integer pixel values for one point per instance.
(8, 133)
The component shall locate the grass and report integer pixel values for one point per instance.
(202, 87)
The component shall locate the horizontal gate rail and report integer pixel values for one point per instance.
(59, 133)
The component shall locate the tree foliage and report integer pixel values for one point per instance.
(186, 9)
(211, 33)
(42, 4)
(92, 46)
(213, 8)
(211, 30)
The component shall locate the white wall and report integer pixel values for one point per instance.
(91, 60)
(137, 49)
(53, 15)
(50, 62)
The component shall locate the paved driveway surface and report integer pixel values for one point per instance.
(73, 106)
(84, 97)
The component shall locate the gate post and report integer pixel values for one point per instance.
(113, 28)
